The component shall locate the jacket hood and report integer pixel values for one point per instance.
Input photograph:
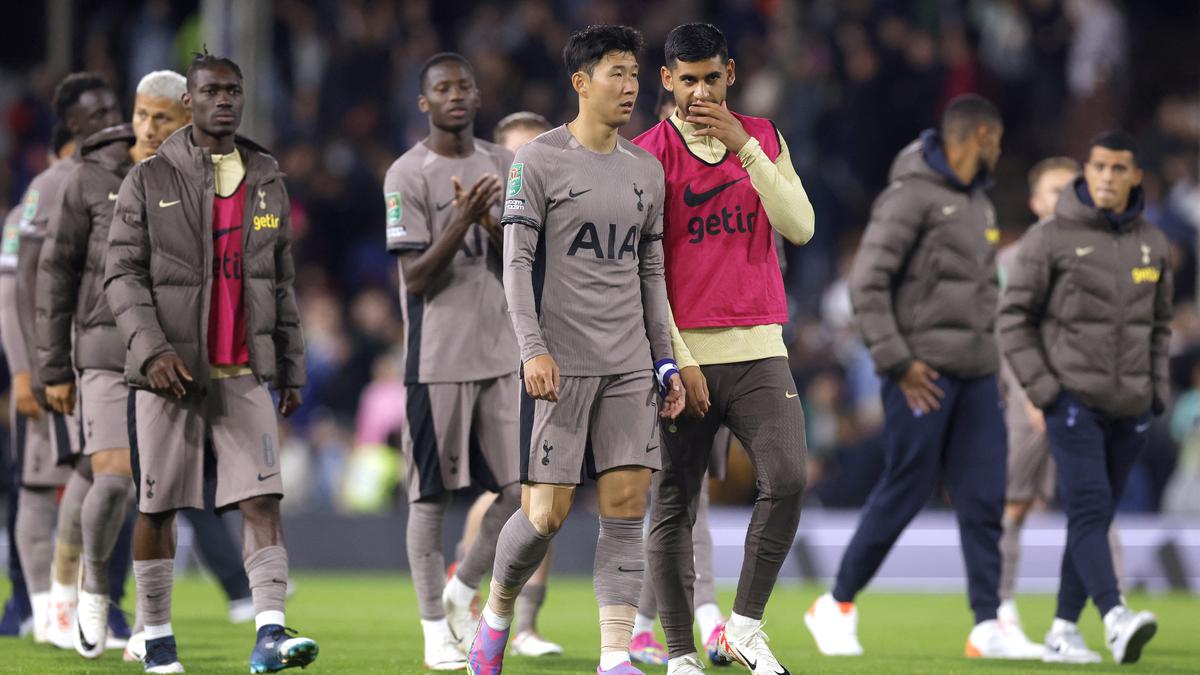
(924, 158)
(192, 160)
(1077, 204)
(110, 148)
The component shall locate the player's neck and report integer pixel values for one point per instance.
(217, 145)
(963, 162)
(595, 136)
(452, 143)
(138, 152)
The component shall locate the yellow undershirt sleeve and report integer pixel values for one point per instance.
(779, 187)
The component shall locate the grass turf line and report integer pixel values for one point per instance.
(368, 624)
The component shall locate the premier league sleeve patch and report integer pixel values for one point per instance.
(515, 179)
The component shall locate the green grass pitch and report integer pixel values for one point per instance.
(368, 624)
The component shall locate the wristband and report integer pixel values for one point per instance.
(663, 370)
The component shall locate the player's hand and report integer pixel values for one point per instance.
(27, 403)
(719, 123)
(167, 375)
(696, 388)
(61, 397)
(673, 403)
(920, 388)
(477, 203)
(1037, 418)
(289, 401)
(542, 378)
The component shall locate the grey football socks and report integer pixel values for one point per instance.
(35, 536)
(425, 558)
(519, 551)
(103, 516)
(482, 553)
(154, 581)
(267, 569)
(1010, 556)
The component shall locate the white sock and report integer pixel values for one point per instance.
(708, 617)
(63, 592)
(611, 660)
(155, 632)
(271, 618)
(458, 592)
(435, 630)
(739, 624)
(642, 624)
(677, 662)
(495, 621)
(1062, 625)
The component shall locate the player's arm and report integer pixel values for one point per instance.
(288, 335)
(29, 250)
(656, 310)
(523, 220)
(1022, 309)
(127, 289)
(14, 348)
(780, 190)
(58, 275)
(1160, 339)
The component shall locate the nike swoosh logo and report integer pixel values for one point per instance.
(949, 210)
(1085, 250)
(636, 569)
(87, 646)
(112, 196)
(573, 194)
(164, 204)
(442, 207)
(693, 199)
(1142, 427)
(789, 394)
(217, 234)
(261, 477)
(749, 664)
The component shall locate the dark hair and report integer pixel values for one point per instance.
(693, 42)
(967, 112)
(67, 93)
(520, 120)
(1118, 140)
(202, 60)
(587, 47)
(1051, 164)
(440, 58)
(60, 135)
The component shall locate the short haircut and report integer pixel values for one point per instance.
(202, 60)
(1117, 140)
(59, 137)
(694, 42)
(72, 87)
(966, 113)
(166, 84)
(520, 120)
(587, 47)
(440, 58)
(1051, 164)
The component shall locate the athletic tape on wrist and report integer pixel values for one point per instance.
(663, 370)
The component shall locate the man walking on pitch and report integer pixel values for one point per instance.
(84, 104)
(729, 338)
(206, 324)
(924, 285)
(1085, 325)
(443, 203)
(584, 281)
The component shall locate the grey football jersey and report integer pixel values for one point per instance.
(583, 261)
(458, 331)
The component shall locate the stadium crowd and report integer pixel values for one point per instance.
(848, 83)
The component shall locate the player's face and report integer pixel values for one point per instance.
(450, 97)
(216, 100)
(155, 118)
(1045, 194)
(611, 91)
(707, 80)
(1111, 175)
(988, 137)
(96, 109)
(519, 136)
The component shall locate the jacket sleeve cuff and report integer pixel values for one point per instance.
(898, 370)
(1044, 392)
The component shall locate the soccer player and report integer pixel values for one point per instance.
(443, 208)
(583, 278)
(1085, 325)
(1030, 468)
(730, 185)
(512, 132)
(84, 104)
(199, 277)
(923, 286)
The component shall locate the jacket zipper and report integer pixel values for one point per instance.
(1120, 310)
(247, 219)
